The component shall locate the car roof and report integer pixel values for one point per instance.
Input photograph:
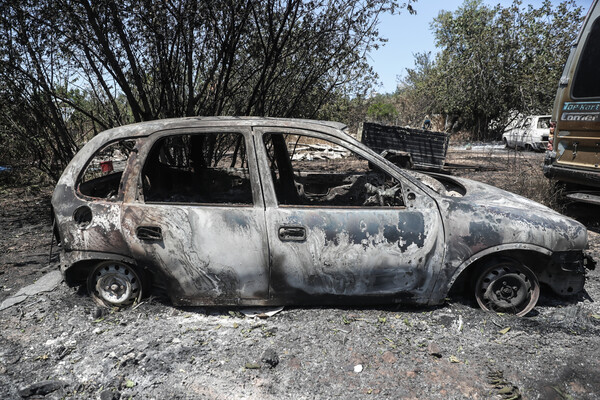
(150, 127)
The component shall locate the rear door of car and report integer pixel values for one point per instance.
(524, 134)
(195, 216)
(339, 226)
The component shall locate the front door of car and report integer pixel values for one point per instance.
(339, 226)
(196, 219)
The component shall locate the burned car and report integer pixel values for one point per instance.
(261, 211)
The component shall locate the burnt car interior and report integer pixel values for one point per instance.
(102, 176)
(205, 168)
(309, 171)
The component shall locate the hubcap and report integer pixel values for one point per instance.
(509, 291)
(116, 284)
(507, 287)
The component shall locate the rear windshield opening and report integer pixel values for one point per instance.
(586, 82)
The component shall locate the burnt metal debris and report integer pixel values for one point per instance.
(262, 211)
(407, 147)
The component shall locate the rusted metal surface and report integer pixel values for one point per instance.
(255, 250)
(573, 157)
(427, 149)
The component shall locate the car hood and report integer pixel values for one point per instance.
(479, 216)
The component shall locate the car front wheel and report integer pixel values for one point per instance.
(507, 285)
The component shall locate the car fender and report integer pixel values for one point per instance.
(74, 264)
(444, 290)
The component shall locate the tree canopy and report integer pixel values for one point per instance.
(494, 63)
(70, 68)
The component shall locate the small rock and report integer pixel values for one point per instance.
(98, 312)
(251, 365)
(62, 352)
(434, 350)
(389, 357)
(110, 395)
(358, 368)
(42, 388)
(270, 358)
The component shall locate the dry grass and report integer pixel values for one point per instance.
(519, 172)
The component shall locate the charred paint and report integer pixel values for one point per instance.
(237, 220)
(481, 235)
(233, 255)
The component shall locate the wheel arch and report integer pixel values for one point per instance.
(533, 256)
(78, 265)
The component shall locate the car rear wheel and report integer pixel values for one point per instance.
(507, 286)
(115, 284)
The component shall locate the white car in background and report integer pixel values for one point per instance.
(531, 133)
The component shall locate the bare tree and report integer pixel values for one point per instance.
(106, 63)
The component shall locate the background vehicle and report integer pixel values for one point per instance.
(575, 156)
(531, 133)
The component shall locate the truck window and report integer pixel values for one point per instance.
(586, 82)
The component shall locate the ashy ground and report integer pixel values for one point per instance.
(58, 344)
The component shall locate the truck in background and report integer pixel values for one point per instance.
(573, 158)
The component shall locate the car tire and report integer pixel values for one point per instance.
(505, 143)
(506, 285)
(115, 284)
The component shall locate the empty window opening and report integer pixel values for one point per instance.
(312, 171)
(102, 176)
(198, 168)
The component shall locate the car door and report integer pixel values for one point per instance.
(517, 135)
(524, 133)
(514, 135)
(196, 218)
(340, 227)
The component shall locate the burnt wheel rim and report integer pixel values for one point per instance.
(507, 287)
(115, 284)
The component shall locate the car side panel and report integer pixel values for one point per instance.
(355, 252)
(349, 252)
(207, 253)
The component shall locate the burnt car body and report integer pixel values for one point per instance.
(261, 211)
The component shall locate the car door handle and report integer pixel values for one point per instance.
(149, 233)
(292, 233)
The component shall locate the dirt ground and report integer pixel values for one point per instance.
(58, 344)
